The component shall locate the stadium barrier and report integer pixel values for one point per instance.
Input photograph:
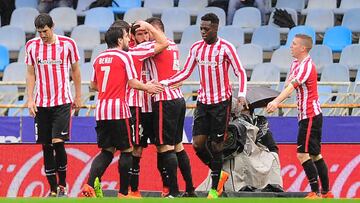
(22, 173)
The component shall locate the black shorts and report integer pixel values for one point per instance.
(309, 135)
(52, 122)
(135, 124)
(144, 129)
(114, 133)
(147, 126)
(212, 120)
(169, 121)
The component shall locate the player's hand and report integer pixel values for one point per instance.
(177, 85)
(32, 107)
(77, 103)
(141, 25)
(272, 106)
(242, 102)
(154, 87)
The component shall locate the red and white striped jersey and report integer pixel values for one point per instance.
(147, 98)
(139, 53)
(213, 62)
(52, 63)
(303, 77)
(112, 70)
(162, 66)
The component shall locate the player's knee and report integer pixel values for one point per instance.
(198, 146)
(217, 147)
(137, 151)
(302, 157)
(109, 149)
(179, 147)
(316, 157)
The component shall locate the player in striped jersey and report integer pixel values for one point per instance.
(50, 58)
(303, 79)
(169, 114)
(140, 50)
(213, 56)
(113, 71)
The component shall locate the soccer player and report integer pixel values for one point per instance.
(50, 58)
(303, 79)
(140, 50)
(168, 114)
(213, 56)
(113, 71)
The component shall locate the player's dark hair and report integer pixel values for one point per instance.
(121, 24)
(43, 20)
(155, 21)
(133, 28)
(112, 35)
(212, 17)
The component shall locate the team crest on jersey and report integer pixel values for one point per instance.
(215, 52)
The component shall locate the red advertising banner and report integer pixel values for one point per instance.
(22, 172)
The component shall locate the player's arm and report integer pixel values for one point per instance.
(240, 72)
(150, 87)
(76, 76)
(30, 85)
(161, 41)
(273, 105)
(184, 73)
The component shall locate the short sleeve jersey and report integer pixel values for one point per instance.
(52, 63)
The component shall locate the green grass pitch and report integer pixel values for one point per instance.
(176, 200)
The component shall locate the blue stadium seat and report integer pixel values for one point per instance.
(4, 58)
(250, 55)
(134, 14)
(64, 18)
(13, 41)
(121, 6)
(298, 5)
(15, 72)
(337, 38)
(319, 4)
(321, 55)
(301, 29)
(248, 18)
(351, 19)
(193, 6)
(157, 6)
(82, 7)
(350, 57)
(282, 58)
(190, 35)
(100, 18)
(175, 19)
(86, 37)
(320, 19)
(268, 37)
(24, 18)
(233, 34)
(346, 5)
(26, 3)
